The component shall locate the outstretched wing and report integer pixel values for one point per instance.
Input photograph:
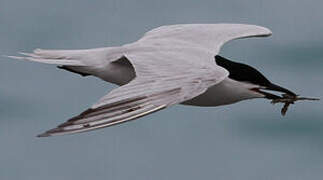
(140, 97)
(209, 37)
(172, 64)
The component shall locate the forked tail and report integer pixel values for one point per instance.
(86, 57)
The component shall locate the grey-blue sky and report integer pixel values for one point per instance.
(248, 140)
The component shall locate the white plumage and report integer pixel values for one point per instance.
(168, 65)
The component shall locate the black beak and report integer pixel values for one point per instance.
(274, 87)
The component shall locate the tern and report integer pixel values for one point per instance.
(173, 64)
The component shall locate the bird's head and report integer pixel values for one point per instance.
(247, 74)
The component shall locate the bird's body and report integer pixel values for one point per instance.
(227, 91)
(168, 65)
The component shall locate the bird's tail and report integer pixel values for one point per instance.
(86, 57)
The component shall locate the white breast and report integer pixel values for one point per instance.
(226, 92)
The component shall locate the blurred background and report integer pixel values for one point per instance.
(249, 140)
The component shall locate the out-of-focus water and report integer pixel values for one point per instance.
(245, 141)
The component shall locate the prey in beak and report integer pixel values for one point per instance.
(287, 98)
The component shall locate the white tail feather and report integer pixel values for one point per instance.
(86, 57)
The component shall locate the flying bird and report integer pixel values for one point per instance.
(174, 64)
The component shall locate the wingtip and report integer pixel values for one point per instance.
(268, 32)
(265, 32)
(48, 133)
(45, 134)
(51, 132)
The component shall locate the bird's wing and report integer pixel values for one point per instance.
(167, 72)
(209, 37)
